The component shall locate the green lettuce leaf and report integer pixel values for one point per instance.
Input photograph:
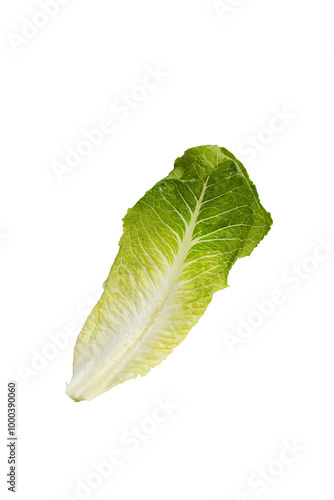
(179, 243)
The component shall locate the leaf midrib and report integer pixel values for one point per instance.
(96, 376)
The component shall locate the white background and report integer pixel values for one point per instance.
(228, 76)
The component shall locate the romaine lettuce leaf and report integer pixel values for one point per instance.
(179, 243)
